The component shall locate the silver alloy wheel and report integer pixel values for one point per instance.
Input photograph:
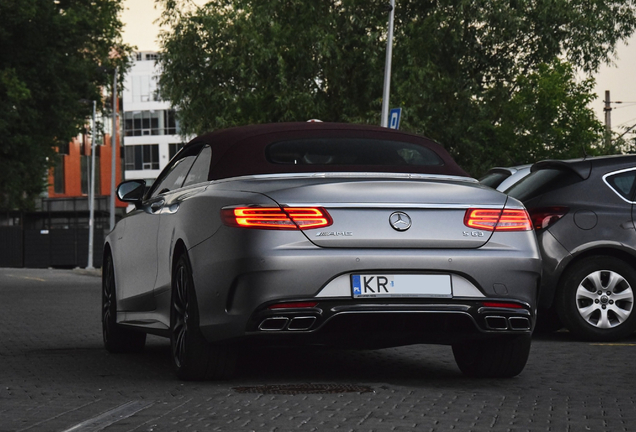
(604, 299)
(180, 305)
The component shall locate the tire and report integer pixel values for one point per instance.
(595, 301)
(548, 321)
(192, 356)
(117, 339)
(495, 358)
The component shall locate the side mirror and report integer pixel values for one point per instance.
(131, 191)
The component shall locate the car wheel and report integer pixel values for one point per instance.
(495, 358)
(192, 356)
(548, 321)
(596, 299)
(116, 338)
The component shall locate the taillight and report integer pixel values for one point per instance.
(498, 220)
(297, 305)
(503, 305)
(276, 218)
(543, 217)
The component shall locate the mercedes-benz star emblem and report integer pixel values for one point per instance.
(400, 221)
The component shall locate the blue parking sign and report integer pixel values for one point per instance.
(394, 118)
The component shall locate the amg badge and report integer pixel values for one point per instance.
(334, 233)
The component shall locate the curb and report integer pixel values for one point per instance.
(88, 272)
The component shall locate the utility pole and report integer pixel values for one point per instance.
(387, 69)
(91, 197)
(608, 119)
(113, 145)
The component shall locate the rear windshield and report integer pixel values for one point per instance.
(494, 179)
(540, 182)
(350, 151)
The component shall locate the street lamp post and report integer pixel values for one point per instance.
(113, 141)
(387, 69)
(91, 196)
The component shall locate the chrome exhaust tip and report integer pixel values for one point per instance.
(301, 323)
(519, 323)
(273, 324)
(496, 323)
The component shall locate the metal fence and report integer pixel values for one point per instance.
(55, 235)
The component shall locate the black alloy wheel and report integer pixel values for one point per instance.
(493, 358)
(192, 356)
(596, 299)
(116, 338)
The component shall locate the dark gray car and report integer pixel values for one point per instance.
(321, 234)
(583, 213)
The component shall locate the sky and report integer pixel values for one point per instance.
(141, 30)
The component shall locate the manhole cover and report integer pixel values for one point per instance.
(291, 389)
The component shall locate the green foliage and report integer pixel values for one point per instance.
(53, 55)
(547, 117)
(494, 81)
(238, 62)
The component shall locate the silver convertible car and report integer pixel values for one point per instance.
(322, 234)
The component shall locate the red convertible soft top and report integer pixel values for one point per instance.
(247, 150)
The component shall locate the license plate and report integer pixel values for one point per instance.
(383, 285)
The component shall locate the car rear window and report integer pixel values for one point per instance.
(350, 151)
(540, 182)
(494, 179)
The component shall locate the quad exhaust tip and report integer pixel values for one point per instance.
(519, 323)
(274, 324)
(503, 323)
(284, 323)
(301, 323)
(496, 323)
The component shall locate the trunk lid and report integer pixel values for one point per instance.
(389, 212)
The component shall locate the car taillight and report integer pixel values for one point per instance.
(498, 220)
(297, 305)
(543, 217)
(503, 305)
(276, 218)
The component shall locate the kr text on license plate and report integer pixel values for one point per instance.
(387, 285)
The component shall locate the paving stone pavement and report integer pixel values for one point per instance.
(55, 376)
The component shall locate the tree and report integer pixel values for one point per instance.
(494, 81)
(235, 62)
(53, 55)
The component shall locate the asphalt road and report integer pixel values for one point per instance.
(55, 376)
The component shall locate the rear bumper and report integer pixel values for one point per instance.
(238, 278)
(555, 259)
(380, 324)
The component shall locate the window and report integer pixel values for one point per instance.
(351, 151)
(623, 183)
(170, 123)
(142, 157)
(84, 168)
(98, 173)
(494, 178)
(200, 169)
(542, 181)
(173, 176)
(58, 176)
(174, 148)
(159, 122)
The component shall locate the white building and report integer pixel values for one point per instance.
(150, 130)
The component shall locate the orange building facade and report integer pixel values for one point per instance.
(69, 180)
(73, 180)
